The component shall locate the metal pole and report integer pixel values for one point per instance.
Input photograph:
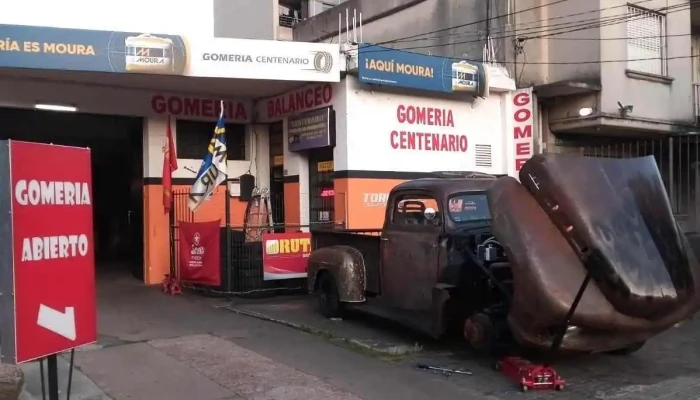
(70, 373)
(556, 343)
(229, 273)
(43, 381)
(52, 371)
(171, 223)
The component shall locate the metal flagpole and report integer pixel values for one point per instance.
(228, 273)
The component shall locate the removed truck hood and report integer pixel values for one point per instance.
(571, 215)
(617, 217)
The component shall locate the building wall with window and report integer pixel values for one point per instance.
(606, 68)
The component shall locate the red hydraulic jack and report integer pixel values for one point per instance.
(541, 376)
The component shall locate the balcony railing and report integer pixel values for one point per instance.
(287, 21)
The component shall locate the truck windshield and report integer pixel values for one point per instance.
(468, 207)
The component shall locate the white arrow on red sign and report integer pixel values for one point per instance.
(61, 323)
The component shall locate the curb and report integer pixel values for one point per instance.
(11, 382)
(394, 351)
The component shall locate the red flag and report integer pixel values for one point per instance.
(169, 166)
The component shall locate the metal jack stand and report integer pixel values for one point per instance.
(542, 376)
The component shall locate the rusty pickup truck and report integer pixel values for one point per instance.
(504, 260)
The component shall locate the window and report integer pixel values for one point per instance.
(468, 208)
(192, 139)
(410, 210)
(646, 42)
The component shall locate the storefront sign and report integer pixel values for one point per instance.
(199, 249)
(305, 99)
(522, 142)
(416, 132)
(47, 259)
(325, 166)
(107, 51)
(285, 255)
(234, 110)
(375, 199)
(386, 66)
(311, 130)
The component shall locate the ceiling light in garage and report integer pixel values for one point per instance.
(585, 111)
(55, 107)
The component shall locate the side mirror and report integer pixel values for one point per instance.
(429, 213)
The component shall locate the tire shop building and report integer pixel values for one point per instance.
(395, 116)
(118, 91)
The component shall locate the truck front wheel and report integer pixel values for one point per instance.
(328, 300)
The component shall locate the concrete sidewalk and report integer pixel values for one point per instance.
(202, 367)
(153, 346)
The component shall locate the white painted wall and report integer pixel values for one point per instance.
(372, 117)
(95, 99)
(185, 17)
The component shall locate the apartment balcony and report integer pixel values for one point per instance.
(284, 30)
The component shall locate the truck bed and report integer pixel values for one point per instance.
(366, 241)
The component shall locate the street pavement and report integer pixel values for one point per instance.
(667, 367)
(153, 346)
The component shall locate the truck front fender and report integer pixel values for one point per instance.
(345, 264)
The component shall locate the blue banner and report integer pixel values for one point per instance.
(391, 67)
(86, 50)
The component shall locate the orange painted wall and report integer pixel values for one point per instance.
(358, 213)
(291, 203)
(156, 231)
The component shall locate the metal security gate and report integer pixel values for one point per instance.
(677, 158)
(242, 271)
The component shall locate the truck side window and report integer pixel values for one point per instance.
(410, 210)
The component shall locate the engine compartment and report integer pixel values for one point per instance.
(486, 286)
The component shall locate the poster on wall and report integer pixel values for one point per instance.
(285, 255)
(199, 252)
(394, 67)
(40, 47)
(311, 130)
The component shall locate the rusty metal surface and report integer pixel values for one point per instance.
(347, 266)
(617, 217)
(547, 274)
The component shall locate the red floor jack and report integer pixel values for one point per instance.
(541, 376)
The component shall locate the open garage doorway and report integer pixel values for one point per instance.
(116, 145)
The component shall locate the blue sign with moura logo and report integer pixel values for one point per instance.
(39, 47)
(392, 67)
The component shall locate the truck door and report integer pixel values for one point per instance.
(410, 251)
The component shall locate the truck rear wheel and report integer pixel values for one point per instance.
(328, 299)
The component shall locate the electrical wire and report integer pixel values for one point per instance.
(477, 22)
(514, 26)
(575, 28)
